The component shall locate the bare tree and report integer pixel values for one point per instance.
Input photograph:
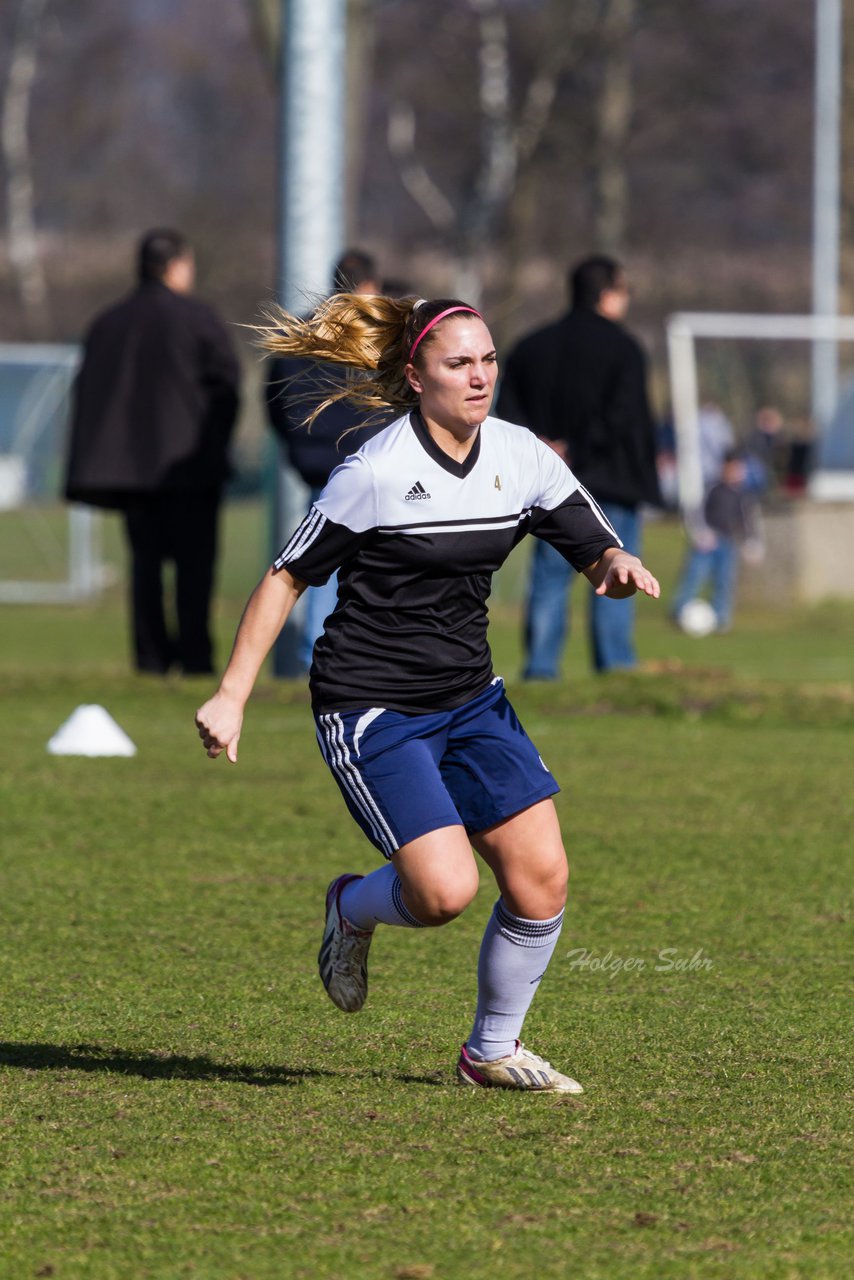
(613, 119)
(14, 132)
(472, 220)
(511, 127)
(509, 139)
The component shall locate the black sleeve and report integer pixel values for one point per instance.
(578, 529)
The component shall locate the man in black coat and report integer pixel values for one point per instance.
(580, 385)
(155, 404)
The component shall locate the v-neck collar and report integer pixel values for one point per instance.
(445, 461)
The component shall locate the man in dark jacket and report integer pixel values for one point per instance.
(155, 404)
(293, 388)
(580, 385)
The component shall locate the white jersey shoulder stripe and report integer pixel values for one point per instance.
(599, 513)
(307, 533)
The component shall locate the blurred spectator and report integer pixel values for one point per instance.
(800, 457)
(765, 450)
(666, 463)
(155, 404)
(580, 385)
(393, 288)
(293, 388)
(729, 521)
(717, 439)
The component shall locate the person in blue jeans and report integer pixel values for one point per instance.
(727, 528)
(547, 610)
(580, 385)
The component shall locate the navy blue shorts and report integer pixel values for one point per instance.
(404, 775)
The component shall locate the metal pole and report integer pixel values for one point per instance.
(311, 202)
(684, 397)
(825, 285)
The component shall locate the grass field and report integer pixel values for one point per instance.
(179, 1097)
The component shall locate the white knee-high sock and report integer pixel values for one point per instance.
(377, 899)
(514, 956)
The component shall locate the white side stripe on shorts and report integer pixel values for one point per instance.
(340, 762)
(334, 757)
(385, 830)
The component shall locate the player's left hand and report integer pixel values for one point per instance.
(624, 575)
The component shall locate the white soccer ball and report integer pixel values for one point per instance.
(697, 618)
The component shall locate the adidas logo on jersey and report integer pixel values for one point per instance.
(416, 492)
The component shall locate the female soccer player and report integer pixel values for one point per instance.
(413, 723)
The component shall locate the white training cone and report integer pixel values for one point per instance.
(90, 731)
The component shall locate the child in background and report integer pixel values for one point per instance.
(728, 524)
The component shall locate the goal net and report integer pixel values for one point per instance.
(49, 551)
(747, 363)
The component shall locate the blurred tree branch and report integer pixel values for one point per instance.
(509, 139)
(613, 119)
(400, 132)
(508, 142)
(14, 132)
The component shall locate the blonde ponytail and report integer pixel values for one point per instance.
(370, 335)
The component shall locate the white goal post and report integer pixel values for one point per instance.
(683, 329)
(35, 386)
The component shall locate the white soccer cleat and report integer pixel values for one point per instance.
(519, 1070)
(343, 955)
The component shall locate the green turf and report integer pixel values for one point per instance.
(179, 1098)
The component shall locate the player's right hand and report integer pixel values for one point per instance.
(219, 723)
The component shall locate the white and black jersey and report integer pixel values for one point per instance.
(416, 538)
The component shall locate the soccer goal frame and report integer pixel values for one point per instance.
(683, 330)
(85, 572)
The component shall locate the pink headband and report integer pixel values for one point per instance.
(441, 316)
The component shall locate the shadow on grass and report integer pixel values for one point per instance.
(167, 1066)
